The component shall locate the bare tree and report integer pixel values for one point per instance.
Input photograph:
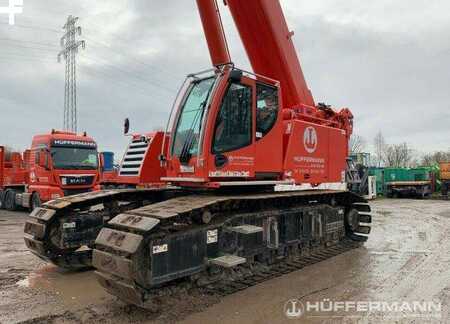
(357, 144)
(398, 155)
(431, 159)
(380, 147)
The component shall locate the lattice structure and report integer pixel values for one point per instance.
(70, 46)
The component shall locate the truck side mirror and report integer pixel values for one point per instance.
(44, 160)
(126, 126)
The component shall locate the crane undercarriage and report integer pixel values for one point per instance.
(155, 242)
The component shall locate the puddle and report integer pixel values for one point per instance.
(72, 288)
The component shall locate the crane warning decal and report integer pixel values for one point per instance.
(310, 140)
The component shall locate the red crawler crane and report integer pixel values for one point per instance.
(233, 136)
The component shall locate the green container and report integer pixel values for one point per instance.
(398, 174)
(407, 174)
(422, 174)
(386, 175)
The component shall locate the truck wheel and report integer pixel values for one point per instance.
(35, 201)
(10, 200)
(2, 202)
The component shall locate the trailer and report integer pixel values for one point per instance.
(58, 164)
(399, 189)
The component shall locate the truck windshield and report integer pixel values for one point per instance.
(73, 158)
(187, 133)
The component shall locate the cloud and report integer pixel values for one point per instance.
(387, 61)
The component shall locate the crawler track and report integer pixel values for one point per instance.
(156, 250)
(282, 268)
(63, 231)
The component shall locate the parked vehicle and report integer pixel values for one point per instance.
(58, 164)
(408, 182)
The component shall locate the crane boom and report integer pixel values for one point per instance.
(214, 33)
(268, 43)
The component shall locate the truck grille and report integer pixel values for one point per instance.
(71, 192)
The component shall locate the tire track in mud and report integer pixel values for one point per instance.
(424, 273)
(409, 265)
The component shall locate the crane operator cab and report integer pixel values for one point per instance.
(225, 127)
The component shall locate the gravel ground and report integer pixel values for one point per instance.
(406, 260)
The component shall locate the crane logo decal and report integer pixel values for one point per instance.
(310, 139)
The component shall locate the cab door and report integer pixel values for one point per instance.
(232, 145)
(268, 132)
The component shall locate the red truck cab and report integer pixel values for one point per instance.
(57, 164)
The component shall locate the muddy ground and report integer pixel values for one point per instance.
(406, 260)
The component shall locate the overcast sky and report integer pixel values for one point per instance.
(388, 61)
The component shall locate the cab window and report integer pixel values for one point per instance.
(233, 129)
(266, 110)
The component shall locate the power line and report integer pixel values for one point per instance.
(152, 67)
(23, 55)
(94, 76)
(27, 42)
(131, 74)
(132, 71)
(134, 59)
(124, 95)
(25, 59)
(134, 84)
(53, 46)
(115, 35)
(31, 47)
(32, 27)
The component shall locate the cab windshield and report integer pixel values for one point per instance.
(188, 126)
(73, 158)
